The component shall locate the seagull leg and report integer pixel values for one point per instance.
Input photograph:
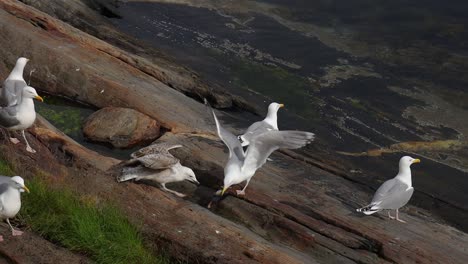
(398, 219)
(389, 216)
(171, 191)
(13, 231)
(12, 139)
(28, 148)
(242, 192)
(1, 238)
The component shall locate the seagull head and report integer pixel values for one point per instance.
(274, 107)
(30, 92)
(189, 175)
(406, 161)
(18, 183)
(22, 61)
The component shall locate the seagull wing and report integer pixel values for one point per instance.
(231, 141)
(11, 92)
(264, 144)
(153, 149)
(256, 129)
(3, 188)
(393, 193)
(8, 116)
(158, 161)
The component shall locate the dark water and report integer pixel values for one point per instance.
(276, 51)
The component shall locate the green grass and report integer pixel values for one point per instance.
(5, 168)
(101, 231)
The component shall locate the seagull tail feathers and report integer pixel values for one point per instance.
(368, 209)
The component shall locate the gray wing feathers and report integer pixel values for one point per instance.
(11, 92)
(254, 130)
(3, 187)
(392, 194)
(231, 141)
(264, 144)
(8, 117)
(4, 179)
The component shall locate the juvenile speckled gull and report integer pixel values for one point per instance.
(269, 123)
(10, 199)
(155, 163)
(241, 166)
(394, 193)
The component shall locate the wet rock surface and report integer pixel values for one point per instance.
(299, 208)
(121, 127)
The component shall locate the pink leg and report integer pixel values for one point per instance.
(389, 216)
(13, 231)
(398, 219)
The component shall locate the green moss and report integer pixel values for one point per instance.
(100, 231)
(64, 115)
(5, 168)
(356, 103)
(283, 86)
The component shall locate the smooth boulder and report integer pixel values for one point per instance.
(121, 127)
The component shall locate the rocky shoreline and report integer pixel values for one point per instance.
(299, 210)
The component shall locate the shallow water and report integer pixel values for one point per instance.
(69, 116)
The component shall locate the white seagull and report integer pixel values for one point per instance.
(22, 115)
(10, 199)
(241, 166)
(155, 163)
(394, 193)
(269, 123)
(11, 96)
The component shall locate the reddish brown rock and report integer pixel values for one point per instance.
(121, 127)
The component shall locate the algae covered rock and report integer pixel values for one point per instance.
(121, 127)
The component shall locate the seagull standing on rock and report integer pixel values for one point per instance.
(269, 123)
(241, 166)
(17, 107)
(21, 116)
(155, 163)
(10, 199)
(394, 193)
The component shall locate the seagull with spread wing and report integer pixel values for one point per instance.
(269, 123)
(241, 166)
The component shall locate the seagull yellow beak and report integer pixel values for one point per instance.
(39, 98)
(26, 189)
(416, 161)
(281, 105)
(224, 189)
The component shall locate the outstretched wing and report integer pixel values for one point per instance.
(264, 144)
(256, 129)
(231, 141)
